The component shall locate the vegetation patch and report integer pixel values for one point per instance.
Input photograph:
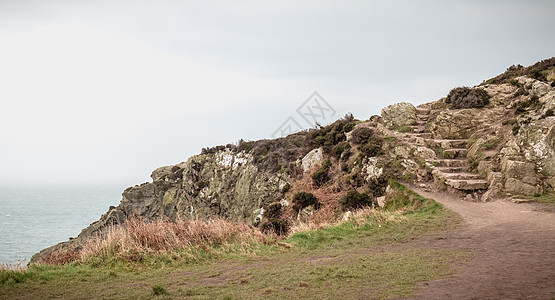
(465, 97)
(321, 175)
(304, 199)
(539, 71)
(354, 200)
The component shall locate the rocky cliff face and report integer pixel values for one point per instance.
(225, 184)
(504, 147)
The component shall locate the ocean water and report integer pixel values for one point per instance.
(33, 218)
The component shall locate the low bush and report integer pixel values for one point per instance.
(273, 211)
(275, 226)
(465, 97)
(330, 135)
(321, 175)
(536, 71)
(548, 113)
(158, 290)
(354, 200)
(361, 135)
(340, 148)
(304, 199)
(372, 148)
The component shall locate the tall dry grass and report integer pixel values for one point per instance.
(20, 266)
(137, 237)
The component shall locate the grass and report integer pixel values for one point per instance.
(548, 198)
(404, 129)
(368, 256)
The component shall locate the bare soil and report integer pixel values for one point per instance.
(513, 247)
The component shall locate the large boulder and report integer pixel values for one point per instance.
(459, 123)
(399, 114)
(523, 171)
(312, 159)
(516, 186)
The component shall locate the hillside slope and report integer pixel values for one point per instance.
(493, 140)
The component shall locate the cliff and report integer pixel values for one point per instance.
(493, 140)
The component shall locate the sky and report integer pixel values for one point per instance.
(106, 91)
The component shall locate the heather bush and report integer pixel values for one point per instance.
(354, 200)
(536, 71)
(465, 97)
(373, 147)
(361, 135)
(273, 211)
(304, 199)
(275, 226)
(321, 175)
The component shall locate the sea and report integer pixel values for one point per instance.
(35, 217)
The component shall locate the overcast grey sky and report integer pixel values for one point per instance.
(106, 91)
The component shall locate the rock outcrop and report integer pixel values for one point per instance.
(399, 115)
(224, 184)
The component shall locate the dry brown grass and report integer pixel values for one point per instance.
(20, 266)
(128, 242)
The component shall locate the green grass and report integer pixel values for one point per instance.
(371, 257)
(548, 198)
(404, 129)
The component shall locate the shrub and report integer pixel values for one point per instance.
(328, 136)
(277, 226)
(340, 148)
(272, 222)
(361, 135)
(273, 211)
(516, 129)
(286, 188)
(535, 71)
(304, 199)
(465, 97)
(349, 126)
(354, 200)
(321, 175)
(377, 186)
(548, 113)
(371, 148)
(158, 290)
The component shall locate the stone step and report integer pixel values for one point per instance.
(461, 163)
(457, 152)
(423, 116)
(418, 129)
(467, 185)
(446, 144)
(426, 135)
(464, 175)
(422, 111)
(451, 169)
(421, 123)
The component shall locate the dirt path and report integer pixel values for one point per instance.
(514, 248)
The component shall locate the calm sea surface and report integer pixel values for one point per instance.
(33, 218)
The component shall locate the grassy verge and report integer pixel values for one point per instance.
(546, 198)
(367, 256)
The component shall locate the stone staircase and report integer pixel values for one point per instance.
(449, 167)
